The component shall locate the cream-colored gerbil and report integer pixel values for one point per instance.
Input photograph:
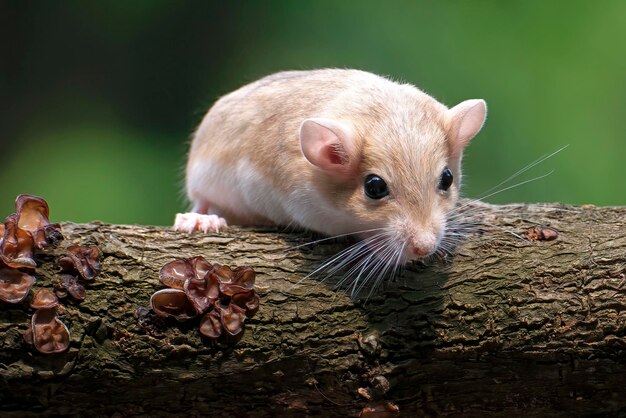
(334, 151)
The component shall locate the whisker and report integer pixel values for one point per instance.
(526, 168)
(360, 265)
(331, 238)
(344, 257)
(382, 261)
(505, 189)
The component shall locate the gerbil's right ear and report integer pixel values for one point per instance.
(466, 118)
(329, 145)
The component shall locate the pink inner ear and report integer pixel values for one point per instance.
(337, 155)
(327, 144)
(467, 118)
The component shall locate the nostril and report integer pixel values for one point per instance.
(419, 251)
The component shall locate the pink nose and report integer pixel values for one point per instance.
(420, 251)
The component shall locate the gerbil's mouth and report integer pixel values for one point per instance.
(405, 250)
(416, 253)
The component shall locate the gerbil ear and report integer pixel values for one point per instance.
(329, 145)
(466, 120)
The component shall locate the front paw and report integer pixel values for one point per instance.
(190, 222)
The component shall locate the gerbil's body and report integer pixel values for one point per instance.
(334, 151)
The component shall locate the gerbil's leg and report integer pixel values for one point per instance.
(199, 219)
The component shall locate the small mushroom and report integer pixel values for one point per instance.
(68, 284)
(200, 266)
(44, 299)
(14, 285)
(34, 217)
(84, 260)
(49, 334)
(241, 279)
(174, 303)
(47, 235)
(211, 325)
(16, 245)
(232, 318)
(175, 273)
(244, 277)
(28, 336)
(247, 300)
(33, 212)
(202, 293)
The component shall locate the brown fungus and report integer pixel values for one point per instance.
(84, 260)
(34, 217)
(172, 303)
(175, 273)
(232, 318)
(225, 296)
(541, 233)
(249, 301)
(211, 325)
(68, 285)
(14, 285)
(49, 334)
(236, 281)
(202, 293)
(44, 299)
(16, 245)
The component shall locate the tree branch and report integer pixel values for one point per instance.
(506, 326)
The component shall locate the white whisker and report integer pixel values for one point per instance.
(333, 237)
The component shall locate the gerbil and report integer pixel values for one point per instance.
(334, 151)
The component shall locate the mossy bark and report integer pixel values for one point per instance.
(507, 326)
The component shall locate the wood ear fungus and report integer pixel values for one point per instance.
(175, 273)
(14, 285)
(225, 297)
(23, 232)
(172, 303)
(211, 325)
(17, 245)
(83, 260)
(68, 285)
(44, 299)
(34, 217)
(48, 333)
(26, 229)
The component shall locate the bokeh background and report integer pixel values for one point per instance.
(98, 99)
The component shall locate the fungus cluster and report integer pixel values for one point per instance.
(21, 235)
(47, 333)
(23, 232)
(77, 262)
(224, 297)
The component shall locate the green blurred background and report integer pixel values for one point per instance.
(99, 98)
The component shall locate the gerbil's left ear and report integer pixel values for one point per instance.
(329, 145)
(466, 120)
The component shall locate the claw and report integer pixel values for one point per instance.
(190, 222)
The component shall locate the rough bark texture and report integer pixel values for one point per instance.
(507, 326)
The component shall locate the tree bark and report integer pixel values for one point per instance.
(509, 325)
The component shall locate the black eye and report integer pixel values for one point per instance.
(375, 187)
(446, 179)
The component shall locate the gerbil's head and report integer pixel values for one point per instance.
(393, 171)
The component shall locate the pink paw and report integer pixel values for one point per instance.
(190, 222)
